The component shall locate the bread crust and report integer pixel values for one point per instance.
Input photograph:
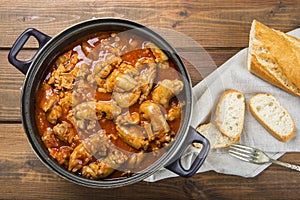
(221, 141)
(258, 69)
(219, 110)
(282, 50)
(283, 138)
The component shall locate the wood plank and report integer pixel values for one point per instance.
(11, 80)
(211, 23)
(21, 169)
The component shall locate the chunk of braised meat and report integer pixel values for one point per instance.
(63, 80)
(82, 91)
(153, 112)
(67, 80)
(146, 80)
(103, 68)
(165, 90)
(97, 170)
(61, 154)
(129, 118)
(135, 160)
(78, 158)
(128, 69)
(126, 99)
(65, 132)
(95, 145)
(120, 82)
(64, 58)
(86, 110)
(129, 83)
(160, 56)
(66, 72)
(83, 69)
(89, 50)
(49, 138)
(132, 134)
(174, 112)
(105, 167)
(54, 113)
(96, 110)
(66, 101)
(49, 97)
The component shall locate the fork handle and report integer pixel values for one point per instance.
(288, 165)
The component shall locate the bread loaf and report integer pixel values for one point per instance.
(230, 113)
(274, 57)
(215, 137)
(275, 118)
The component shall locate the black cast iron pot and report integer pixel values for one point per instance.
(50, 48)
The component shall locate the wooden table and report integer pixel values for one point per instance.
(221, 27)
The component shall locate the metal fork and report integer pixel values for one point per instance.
(256, 156)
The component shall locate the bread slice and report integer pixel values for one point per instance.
(230, 113)
(215, 137)
(275, 118)
(274, 57)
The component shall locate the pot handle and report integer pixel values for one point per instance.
(23, 66)
(193, 136)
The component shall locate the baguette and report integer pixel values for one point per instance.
(267, 110)
(274, 57)
(215, 137)
(230, 113)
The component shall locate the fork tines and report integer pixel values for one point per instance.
(241, 152)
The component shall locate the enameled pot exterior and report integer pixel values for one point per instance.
(50, 48)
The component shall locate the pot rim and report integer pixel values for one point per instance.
(28, 124)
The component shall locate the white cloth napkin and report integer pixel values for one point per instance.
(234, 75)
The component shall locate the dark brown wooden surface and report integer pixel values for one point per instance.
(221, 27)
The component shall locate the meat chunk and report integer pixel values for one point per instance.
(160, 56)
(126, 99)
(65, 132)
(54, 113)
(152, 111)
(97, 170)
(49, 138)
(65, 74)
(129, 118)
(103, 68)
(96, 110)
(61, 154)
(174, 112)
(98, 144)
(64, 58)
(48, 97)
(120, 82)
(165, 90)
(135, 160)
(105, 167)
(66, 101)
(132, 134)
(79, 157)
(94, 146)
(146, 80)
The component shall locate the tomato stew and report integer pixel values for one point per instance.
(110, 105)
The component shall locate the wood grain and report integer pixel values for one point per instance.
(211, 23)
